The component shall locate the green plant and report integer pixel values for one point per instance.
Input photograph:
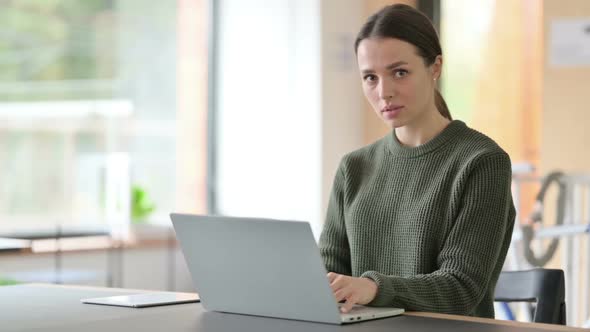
(141, 204)
(7, 282)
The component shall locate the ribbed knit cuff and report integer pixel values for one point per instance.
(385, 294)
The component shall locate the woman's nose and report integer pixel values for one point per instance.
(386, 90)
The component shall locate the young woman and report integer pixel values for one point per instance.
(421, 219)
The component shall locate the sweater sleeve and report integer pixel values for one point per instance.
(333, 242)
(474, 246)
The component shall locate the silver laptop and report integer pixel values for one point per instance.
(262, 267)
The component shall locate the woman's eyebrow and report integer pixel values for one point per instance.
(388, 67)
(396, 64)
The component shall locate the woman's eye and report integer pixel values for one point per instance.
(370, 78)
(400, 73)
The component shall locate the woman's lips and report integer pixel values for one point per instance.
(390, 112)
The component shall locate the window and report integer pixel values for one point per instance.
(91, 105)
(268, 110)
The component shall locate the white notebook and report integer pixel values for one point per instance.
(144, 299)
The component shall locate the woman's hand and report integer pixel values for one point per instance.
(353, 290)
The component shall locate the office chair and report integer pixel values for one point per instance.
(546, 287)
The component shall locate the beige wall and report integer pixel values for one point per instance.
(191, 146)
(342, 116)
(507, 99)
(565, 128)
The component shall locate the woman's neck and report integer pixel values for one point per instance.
(422, 129)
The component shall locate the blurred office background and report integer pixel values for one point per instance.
(114, 113)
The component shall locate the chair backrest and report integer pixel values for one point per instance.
(546, 287)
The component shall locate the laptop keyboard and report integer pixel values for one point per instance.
(357, 309)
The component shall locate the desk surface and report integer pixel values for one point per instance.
(55, 232)
(58, 308)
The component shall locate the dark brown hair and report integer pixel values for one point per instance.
(410, 25)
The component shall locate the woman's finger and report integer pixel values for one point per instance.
(332, 276)
(339, 282)
(341, 294)
(350, 302)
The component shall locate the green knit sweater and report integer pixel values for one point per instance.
(431, 225)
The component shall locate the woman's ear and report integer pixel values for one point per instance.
(437, 67)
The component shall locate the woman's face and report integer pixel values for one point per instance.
(396, 82)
